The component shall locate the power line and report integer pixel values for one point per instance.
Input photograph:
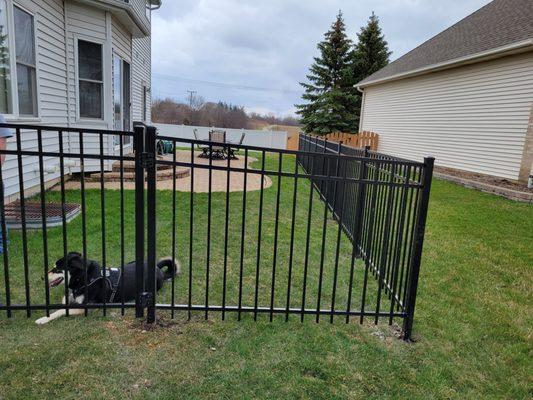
(225, 84)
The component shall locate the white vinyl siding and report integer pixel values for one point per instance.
(122, 47)
(139, 6)
(472, 118)
(121, 41)
(59, 25)
(141, 77)
(89, 24)
(52, 93)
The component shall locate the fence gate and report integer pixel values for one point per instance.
(325, 232)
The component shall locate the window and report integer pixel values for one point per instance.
(5, 66)
(91, 79)
(121, 98)
(25, 60)
(117, 92)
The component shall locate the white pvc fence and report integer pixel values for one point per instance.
(267, 139)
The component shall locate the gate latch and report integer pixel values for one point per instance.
(147, 160)
(146, 299)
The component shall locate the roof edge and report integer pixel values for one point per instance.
(514, 48)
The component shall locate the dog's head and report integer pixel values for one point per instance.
(71, 266)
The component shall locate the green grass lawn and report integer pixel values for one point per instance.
(472, 326)
(268, 247)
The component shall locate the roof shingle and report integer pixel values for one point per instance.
(499, 23)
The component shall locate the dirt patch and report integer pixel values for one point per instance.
(491, 180)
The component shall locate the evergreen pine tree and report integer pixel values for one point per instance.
(371, 51)
(330, 96)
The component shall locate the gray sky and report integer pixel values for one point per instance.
(254, 53)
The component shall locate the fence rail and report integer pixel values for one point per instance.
(327, 231)
(383, 214)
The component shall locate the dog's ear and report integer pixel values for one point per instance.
(72, 256)
(75, 261)
(60, 263)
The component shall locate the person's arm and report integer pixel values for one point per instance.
(3, 142)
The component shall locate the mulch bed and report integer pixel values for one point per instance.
(490, 180)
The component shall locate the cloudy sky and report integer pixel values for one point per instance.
(254, 52)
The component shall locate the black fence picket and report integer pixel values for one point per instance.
(269, 251)
(390, 240)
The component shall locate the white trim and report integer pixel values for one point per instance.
(33, 14)
(138, 25)
(108, 77)
(514, 48)
(115, 57)
(68, 65)
(77, 38)
(122, 127)
(362, 111)
(12, 62)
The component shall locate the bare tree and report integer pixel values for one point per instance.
(201, 113)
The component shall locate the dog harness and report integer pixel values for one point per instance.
(112, 277)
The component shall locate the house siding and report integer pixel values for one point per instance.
(88, 23)
(121, 40)
(141, 76)
(473, 118)
(52, 93)
(139, 7)
(59, 24)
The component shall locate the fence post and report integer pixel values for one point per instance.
(324, 168)
(150, 166)
(417, 247)
(138, 148)
(360, 205)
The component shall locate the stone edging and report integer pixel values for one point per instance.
(485, 187)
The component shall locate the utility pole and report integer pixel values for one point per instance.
(191, 94)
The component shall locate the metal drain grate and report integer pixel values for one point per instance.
(34, 217)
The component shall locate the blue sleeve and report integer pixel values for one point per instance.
(4, 132)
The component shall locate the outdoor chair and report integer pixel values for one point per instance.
(217, 136)
(233, 150)
(204, 148)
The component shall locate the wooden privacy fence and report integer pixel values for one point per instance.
(359, 140)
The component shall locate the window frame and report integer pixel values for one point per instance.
(123, 107)
(14, 62)
(79, 117)
(10, 31)
(144, 102)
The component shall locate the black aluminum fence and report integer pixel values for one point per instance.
(383, 212)
(44, 155)
(326, 232)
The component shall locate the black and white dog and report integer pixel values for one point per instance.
(87, 278)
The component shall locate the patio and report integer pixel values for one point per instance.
(201, 177)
